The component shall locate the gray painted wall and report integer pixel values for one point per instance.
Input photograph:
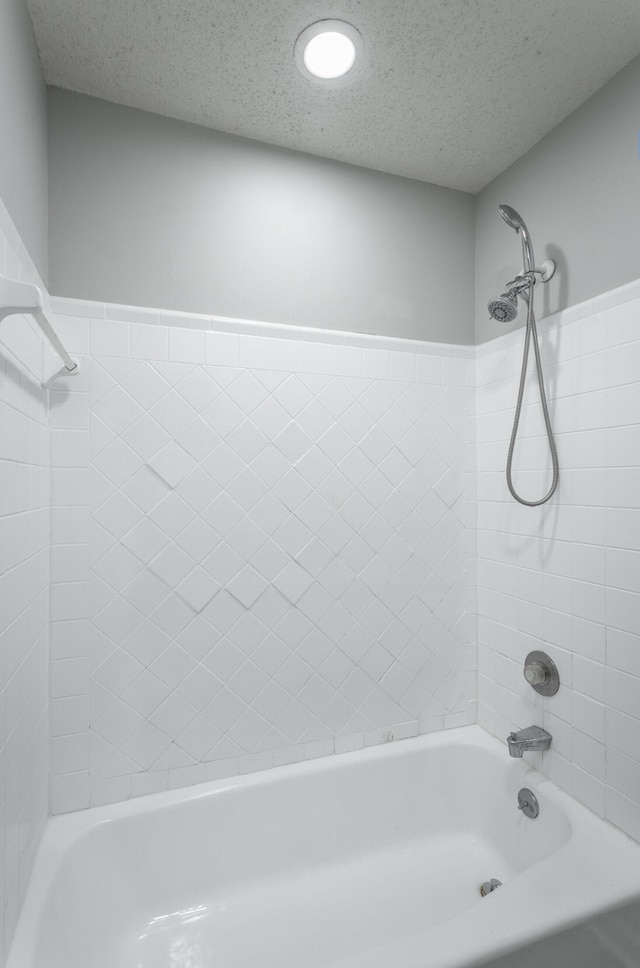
(23, 123)
(578, 190)
(149, 211)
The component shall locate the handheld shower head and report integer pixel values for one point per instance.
(504, 308)
(517, 223)
(511, 217)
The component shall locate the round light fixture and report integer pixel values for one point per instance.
(329, 50)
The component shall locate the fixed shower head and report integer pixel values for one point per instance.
(504, 308)
(517, 223)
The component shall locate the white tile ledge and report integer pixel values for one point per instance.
(572, 314)
(247, 327)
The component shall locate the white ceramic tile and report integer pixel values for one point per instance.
(251, 646)
(577, 589)
(222, 349)
(149, 342)
(198, 588)
(109, 338)
(24, 577)
(561, 578)
(186, 345)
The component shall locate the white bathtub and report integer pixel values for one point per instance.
(366, 860)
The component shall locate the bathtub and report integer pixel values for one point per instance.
(371, 859)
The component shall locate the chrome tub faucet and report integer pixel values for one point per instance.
(528, 739)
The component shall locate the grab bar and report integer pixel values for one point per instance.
(18, 298)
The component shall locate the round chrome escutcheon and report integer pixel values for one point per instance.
(528, 803)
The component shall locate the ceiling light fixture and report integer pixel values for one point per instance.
(329, 51)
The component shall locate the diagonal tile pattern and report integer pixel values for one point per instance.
(282, 558)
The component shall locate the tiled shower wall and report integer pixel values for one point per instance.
(566, 577)
(263, 549)
(280, 541)
(24, 597)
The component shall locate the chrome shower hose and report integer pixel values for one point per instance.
(532, 333)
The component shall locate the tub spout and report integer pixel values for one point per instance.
(525, 740)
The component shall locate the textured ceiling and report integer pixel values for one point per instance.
(453, 91)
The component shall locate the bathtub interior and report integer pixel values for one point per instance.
(304, 865)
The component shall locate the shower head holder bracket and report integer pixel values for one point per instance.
(546, 271)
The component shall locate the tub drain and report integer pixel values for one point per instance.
(490, 886)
